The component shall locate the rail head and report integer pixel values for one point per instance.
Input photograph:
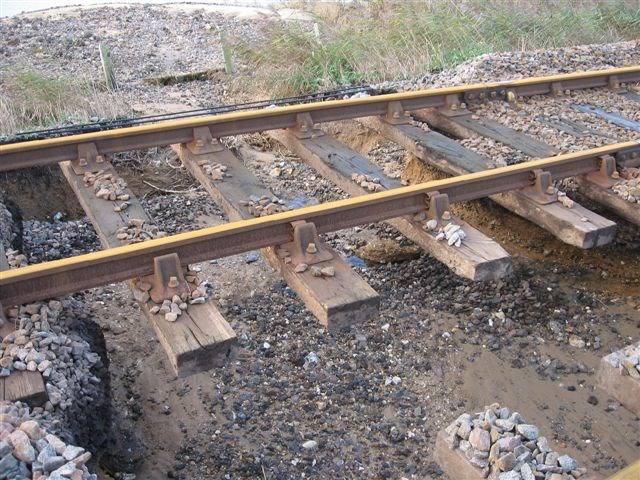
(49, 151)
(118, 264)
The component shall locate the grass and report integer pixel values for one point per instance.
(378, 40)
(31, 100)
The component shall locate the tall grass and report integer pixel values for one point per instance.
(30, 100)
(388, 40)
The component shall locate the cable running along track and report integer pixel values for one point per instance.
(45, 152)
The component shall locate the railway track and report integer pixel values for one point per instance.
(426, 123)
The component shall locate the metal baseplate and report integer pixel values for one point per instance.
(306, 246)
(604, 175)
(453, 107)
(628, 157)
(439, 208)
(203, 142)
(304, 126)
(396, 114)
(88, 160)
(167, 279)
(542, 190)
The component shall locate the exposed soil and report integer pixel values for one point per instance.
(372, 398)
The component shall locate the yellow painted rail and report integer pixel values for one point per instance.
(49, 151)
(117, 264)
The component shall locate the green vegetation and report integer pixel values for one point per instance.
(389, 40)
(30, 100)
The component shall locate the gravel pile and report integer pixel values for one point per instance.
(59, 340)
(313, 389)
(263, 206)
(501, 155)
(181, 213)
(50, 339)
(628, 186)
(138, 230)
(541, 117)
(30, 451)
(504, 447)
(144, 44)
(45, 241)
(627, 360)
(10, 227)
(513, 65)
(290, 180)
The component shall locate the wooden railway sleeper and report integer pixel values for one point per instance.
(541, 191)
(88, 159)
(203, 142)
(167, 279)
(604, 175)
(306, 246)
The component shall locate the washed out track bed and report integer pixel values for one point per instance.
(561, 154)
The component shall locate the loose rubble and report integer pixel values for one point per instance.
(9, 226)
(108, 186)
(521, 64)
(216, 171)
(44, 342)
(16, 259)
(503, 447)
(564, 200)
(138, 231)
(628, 185)
(451, 232)
(627, 360)
(28, 450)
(173, 307)
(372, 184)
(265, 205)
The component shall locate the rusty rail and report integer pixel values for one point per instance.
(69, 275)
(50, 151)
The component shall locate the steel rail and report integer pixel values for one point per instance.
(53, 150)
(73, 274)
(214, 110)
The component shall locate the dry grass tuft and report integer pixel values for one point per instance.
(381, 40)
(30, 100)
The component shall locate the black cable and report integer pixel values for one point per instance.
(133, 121)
